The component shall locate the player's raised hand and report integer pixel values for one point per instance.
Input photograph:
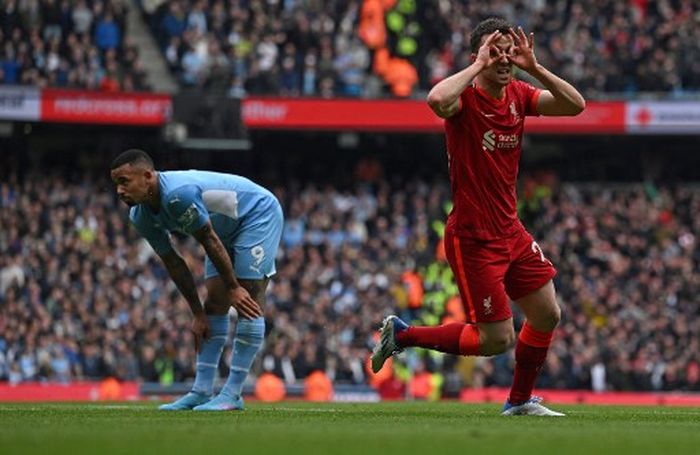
(200, 330)
(489, 53)
(245, 304)
(522, 54)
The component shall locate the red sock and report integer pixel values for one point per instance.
(530, 354)
(454, 338)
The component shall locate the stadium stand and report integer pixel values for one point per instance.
(60, 43)
(370, 48)
(84, 297)
(345, 49)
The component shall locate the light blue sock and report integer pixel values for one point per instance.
(210, 353)
(248, 341)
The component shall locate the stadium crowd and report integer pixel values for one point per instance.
(331, 49)
(82, 296)
(339, 48)
(69, 44)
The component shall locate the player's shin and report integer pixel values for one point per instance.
(250, 334)
(530, 355)
(210, 353)
(454, 338)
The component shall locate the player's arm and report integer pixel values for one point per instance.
(218, 255)
(445, 97)
(216, 251)
(177, 268)
(181, 275)
(560, 97)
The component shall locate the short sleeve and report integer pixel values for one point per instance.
(157, 237)
(530, 96)
(186, 207)
(464, 106)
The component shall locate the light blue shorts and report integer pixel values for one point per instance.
(253, 247)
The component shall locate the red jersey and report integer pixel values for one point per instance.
(484, 141)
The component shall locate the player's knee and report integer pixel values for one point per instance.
(498, 344)
(550, 320)
(546, 319)
(556, 316)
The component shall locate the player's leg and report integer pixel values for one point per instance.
(483, 338)
(247, 341)
(542, 316)
(529, 283)
(216, 308)
(255, 249)
(479, 272)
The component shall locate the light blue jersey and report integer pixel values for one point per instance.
(246, 217)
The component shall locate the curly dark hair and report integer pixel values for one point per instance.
(486, 27)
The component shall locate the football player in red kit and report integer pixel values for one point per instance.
(493, 257)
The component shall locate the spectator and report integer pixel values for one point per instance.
(197, 19)
(57, 43)
(107, 33)
(83, 297)
(600, 46)
(82, 18)
(193, 67)
(173, 23)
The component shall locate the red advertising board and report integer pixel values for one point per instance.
(597, 118)
(68, 106)
(74, 391)
(389, 115)
(406, 116)
(338, 114)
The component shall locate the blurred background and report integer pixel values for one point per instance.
(323, 103)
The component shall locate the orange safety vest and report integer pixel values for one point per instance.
(454, 311)
(421, 386)
(402, 76)
(371, 28)
(414, 287)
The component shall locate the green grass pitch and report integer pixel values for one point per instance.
(343, 428)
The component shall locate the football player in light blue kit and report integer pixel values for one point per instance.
(239, 224)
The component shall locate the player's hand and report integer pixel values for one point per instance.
(489, 53)
(200, 330)
(244, 303)
(522, 54)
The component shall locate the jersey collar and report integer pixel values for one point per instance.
(488, 96)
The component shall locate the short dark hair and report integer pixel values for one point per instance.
(486, 27)
(132, 156)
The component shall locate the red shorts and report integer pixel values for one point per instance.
(488, 272)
